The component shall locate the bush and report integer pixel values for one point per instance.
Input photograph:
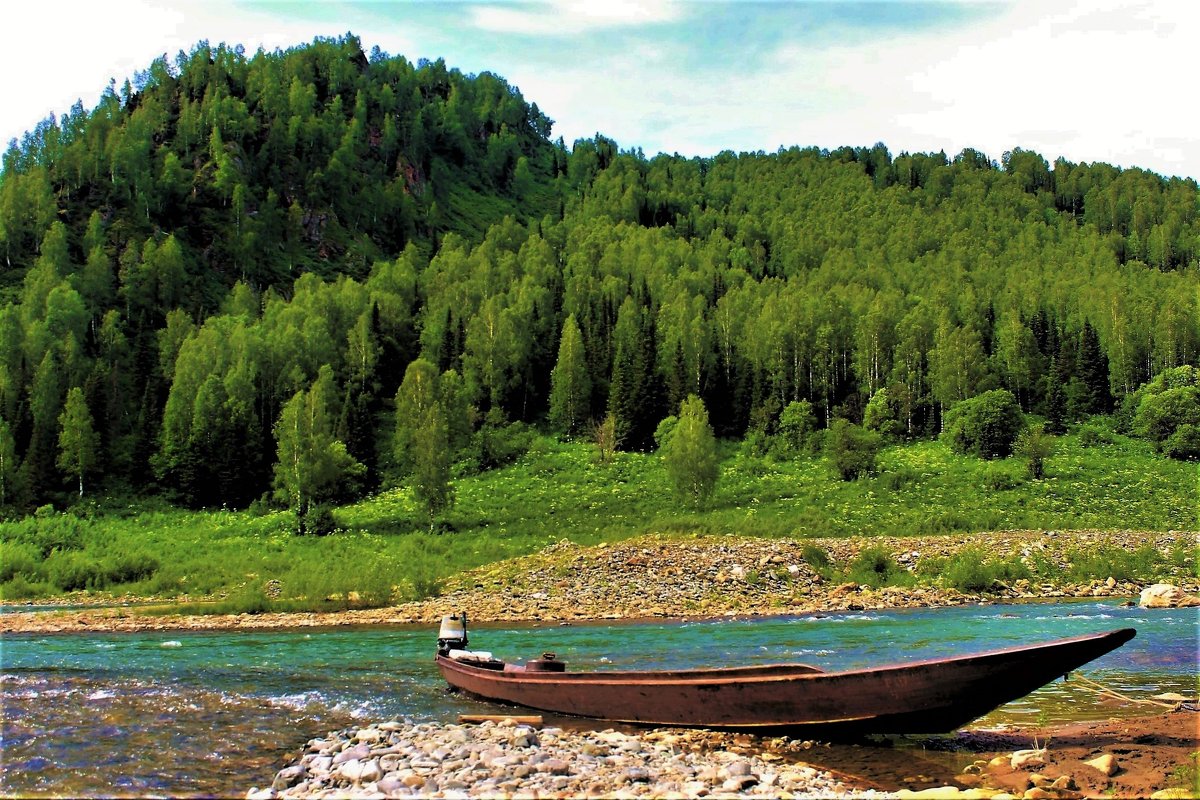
(970, 570)
(900, 479)
(998, 479)
(852, 449)
(1035, 446)
(1183, 444)
(1158, 416)
(1092, 435)
(986, 425)
(875, 566)
(19, 558)
(880, 416)
(130, 568)
(20, 588)
(318, 520)
(72, 571)
(815, 557)
(1108, 561)
(796, 425)
(497, 445)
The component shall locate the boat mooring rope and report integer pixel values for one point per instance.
(1105, 691)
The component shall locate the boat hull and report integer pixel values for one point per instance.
(934, 696)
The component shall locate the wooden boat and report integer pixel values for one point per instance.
(933, 696)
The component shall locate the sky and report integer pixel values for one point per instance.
(1093, 80)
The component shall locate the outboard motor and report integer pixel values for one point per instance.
(453, 633)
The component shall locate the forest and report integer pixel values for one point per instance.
(300, 276)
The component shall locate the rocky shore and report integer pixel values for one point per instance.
(506, 759)
(685, 576)
(1130, 758)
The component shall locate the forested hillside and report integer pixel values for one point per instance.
(216, 281)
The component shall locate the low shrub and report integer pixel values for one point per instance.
(1092, 435)
(852, 449)
(1109, 561)
(21, 588)
(72, 571)
(875, 566)
(19, 558)
(815, 557)
(998, 479)
(129, 568)
(900, 479)
(970, 570)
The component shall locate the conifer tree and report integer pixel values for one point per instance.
(8, 463)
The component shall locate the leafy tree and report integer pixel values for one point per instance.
(986, 425)
(571, 386)
(422, 441)
(879, 416)
(604, 434)
(797, 422)
(852, 449)
(78, 442)
(312, 466)
(431, 464)
(690, 453)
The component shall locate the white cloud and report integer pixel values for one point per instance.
(570, 17)
(1090, 81)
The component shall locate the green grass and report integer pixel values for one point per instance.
(384, 551)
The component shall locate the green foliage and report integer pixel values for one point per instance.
(797, 424)
(1105, 562)
(384, 541)
(690, 453)
(875, 566)
(78, 442)
(816, 558)
(998, 478)
(1093, 435)
(852, 449)
(1183, 444)
(986, 425)
(312, 466)
(973, 570)
(1034, 445)
(570, 384)
(1159, 416)
(880, 416)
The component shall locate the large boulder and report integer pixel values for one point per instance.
(1164, 595)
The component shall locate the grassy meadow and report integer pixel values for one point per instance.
(384, 551)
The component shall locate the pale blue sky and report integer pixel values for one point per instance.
(1095, 80)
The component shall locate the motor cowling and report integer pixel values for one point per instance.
(452, 635)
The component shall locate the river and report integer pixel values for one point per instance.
(211, 714)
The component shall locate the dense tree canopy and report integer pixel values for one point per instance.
(190, 254)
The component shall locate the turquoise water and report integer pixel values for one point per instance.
(210, 714)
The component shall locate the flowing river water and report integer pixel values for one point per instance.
(211, 714)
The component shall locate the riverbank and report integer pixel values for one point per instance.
(1144, 758)
(673, 576)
